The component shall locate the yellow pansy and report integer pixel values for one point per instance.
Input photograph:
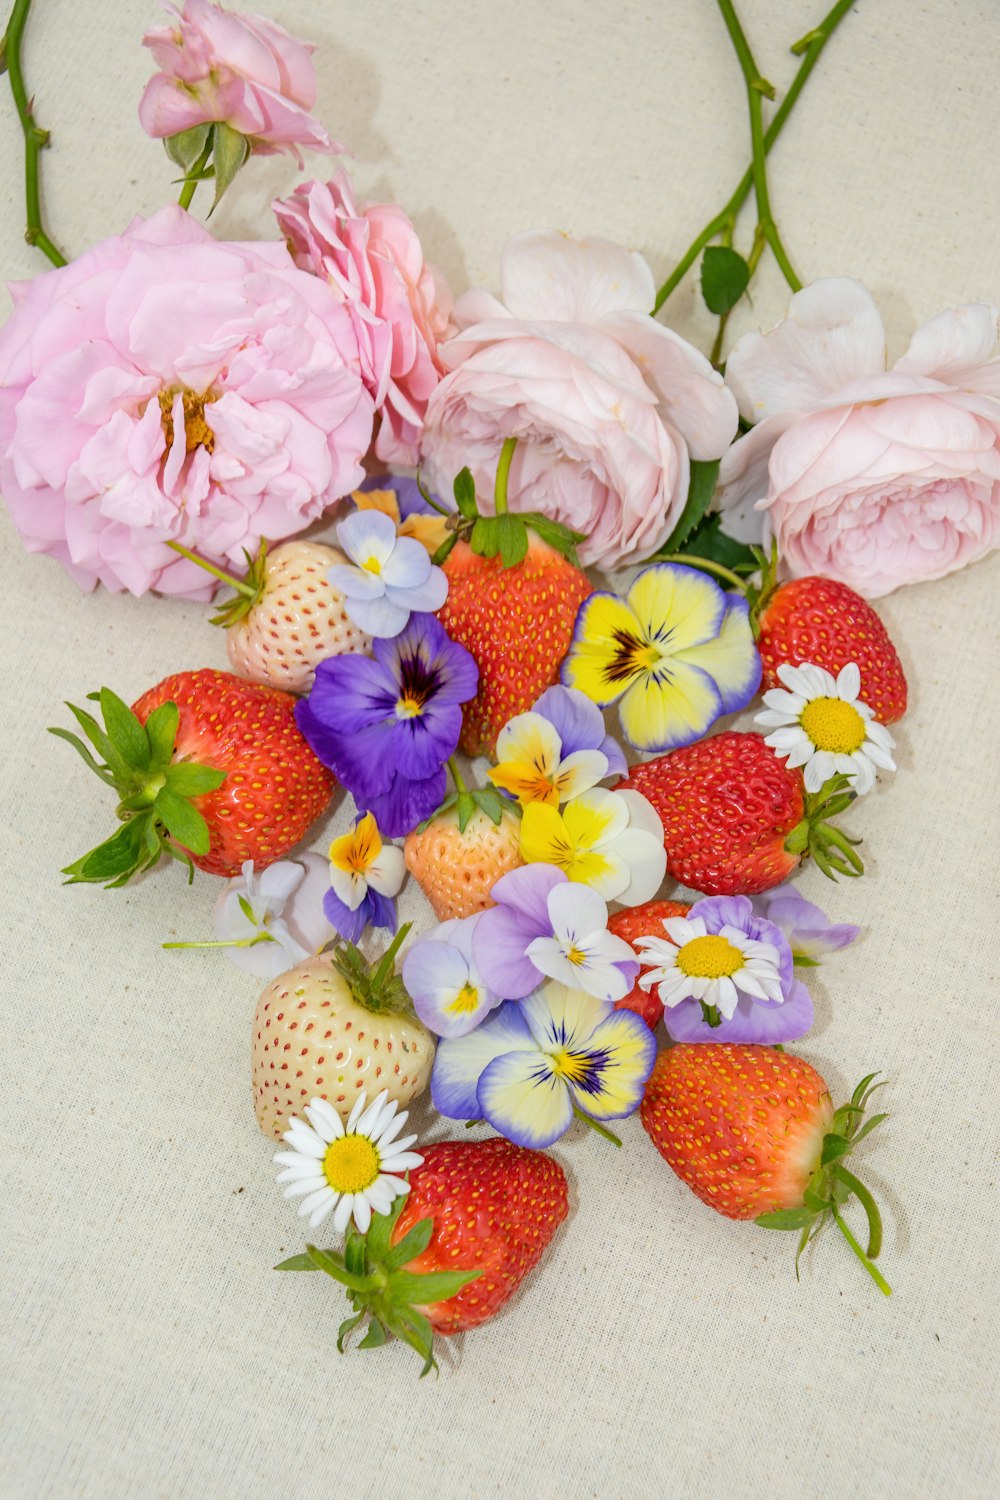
(611, 841)
(676, 651)
(530, 764)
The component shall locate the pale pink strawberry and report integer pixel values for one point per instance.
(292, 620)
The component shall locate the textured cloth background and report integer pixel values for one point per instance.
(148, 1349)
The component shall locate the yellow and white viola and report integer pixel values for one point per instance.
(365, 874)
(675, 654)
(611, 841)
(531, 765)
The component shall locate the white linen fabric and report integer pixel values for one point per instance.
(147, 1348)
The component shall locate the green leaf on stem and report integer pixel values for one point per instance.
(701, 488)
(230, 150)
(182, 821)
(465, 494)
(161, 730)
(724, 278)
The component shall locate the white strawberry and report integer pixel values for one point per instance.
(286, 618)
(331, 1027)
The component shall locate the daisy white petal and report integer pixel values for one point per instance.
(849, 682)
(342, 1213)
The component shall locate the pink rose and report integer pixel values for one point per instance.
(166, 385)
(373, 259)
(875, 476)
(607, 405)
(242, 70)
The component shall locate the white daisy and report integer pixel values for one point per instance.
(352, 1170)
(715, 968)
(821, 725)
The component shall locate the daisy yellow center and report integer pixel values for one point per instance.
(833, 725)
(709, 957)
(466, 1000)
(197, 433)
(351, 1164)
(373, 566)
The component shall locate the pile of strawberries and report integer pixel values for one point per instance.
(209, 768)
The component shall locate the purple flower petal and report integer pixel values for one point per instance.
(350, 924)
(498, 948)
(579, 724)
(762, 1021)
(807, 927)
(460, 1061)
(407, 803)
(526, 890)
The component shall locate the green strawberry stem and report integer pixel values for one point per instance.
(375, 986)
(202, 562)
(503, 470)
(157, 794)
(831, 1185)
(379, 1285)
(593, 1124)
(832, 850)
(456, 776)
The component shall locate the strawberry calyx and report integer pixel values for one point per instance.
(831, 1185)
(248, 589)
(380, 1288)
(467, 801)
(814, 835)
(505, 533)
(375, 985)
(156, 792)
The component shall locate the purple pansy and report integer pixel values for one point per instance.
(723, 957)
(809, 931)
(386, 724)
(545, 926)
(579, 723)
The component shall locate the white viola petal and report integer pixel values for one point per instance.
(408, 566)
(349, 886)
(356, 584)
(577, 909)
(579, 772)
(387, 871)
(279, 882)
(381, 618)
(647, 865)
(642, 814)
(610, 949)
(426, 598)
(367, 534)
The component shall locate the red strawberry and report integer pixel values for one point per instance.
(518, 623)
(736, 820)
(208, 768)
(634, 922)
(753, 1133)
(513, 596)
(477, 1218)
(822, 621)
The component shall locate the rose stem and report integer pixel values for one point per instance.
(35, 138)
(811, 45)
(503, 469)
(193, 178)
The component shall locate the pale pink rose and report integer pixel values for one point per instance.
(246, 364)
(243, 70)
(608, 406)
(875, 476)
(373, 259)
